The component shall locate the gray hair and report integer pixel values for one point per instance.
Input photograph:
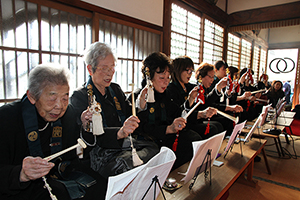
(96, 51)
(46, 74)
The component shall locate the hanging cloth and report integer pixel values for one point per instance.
(116, 102)
(29, 114)
(151, 110)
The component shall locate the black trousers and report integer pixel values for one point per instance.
(184, 151)
(36, 190)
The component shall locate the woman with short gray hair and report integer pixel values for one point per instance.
(37, 126)
(97, 51)
(46, 74)
(117, 119)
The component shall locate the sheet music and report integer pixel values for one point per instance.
(133, 184)
(237, 128)
(200, 150)
(258, 120)
(264, 114)
(280, 109)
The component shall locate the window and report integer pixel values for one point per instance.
(233, 51)
(262, 65)
(27, 40)
(46, 31)
(213, 42)
(245, 54)
(255, 62)
(186, 38)
(131, 46)
(185, 33)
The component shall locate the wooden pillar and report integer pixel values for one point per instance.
(297, 83)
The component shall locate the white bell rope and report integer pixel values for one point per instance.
(47, 186)
(135, 157)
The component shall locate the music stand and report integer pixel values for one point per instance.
(264, 114)
(133, 184)
(205, 152)
(237, 129)
(206, 160)
(255, 125)
(275, 131)
(258, 123)
(279, 102)
(155, 181)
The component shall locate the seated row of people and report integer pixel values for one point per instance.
(43, 122)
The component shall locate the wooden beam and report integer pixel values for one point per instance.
(286, 45)
(209, 9)
(267, 14)
(95, 27)
(94, 8)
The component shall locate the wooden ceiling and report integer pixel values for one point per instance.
(283, 12)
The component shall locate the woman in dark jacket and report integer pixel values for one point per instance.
(275, 93)
(160, 120)
(179, 89)
(116, 110)
(205, 73)
(37, 126)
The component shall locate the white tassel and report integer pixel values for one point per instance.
(97, 124)
(222, 96)
(227, 101)
(79, 152)
(135, 157)
(136, 161)
(184, 113)
(150, 93)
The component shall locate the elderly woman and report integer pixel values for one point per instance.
(116, 110)
(160, 120)
(117, 121)
(39, 125)
(179, 90)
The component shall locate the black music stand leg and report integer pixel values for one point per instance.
(207, 158)
(286, 138)
(241, 147)
(154, 194)
(155, 181)
(286, 135)
(162, 192)
(279, 142)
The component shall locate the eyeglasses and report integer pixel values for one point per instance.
(106, 69)
(189, 71)
(210, 76)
